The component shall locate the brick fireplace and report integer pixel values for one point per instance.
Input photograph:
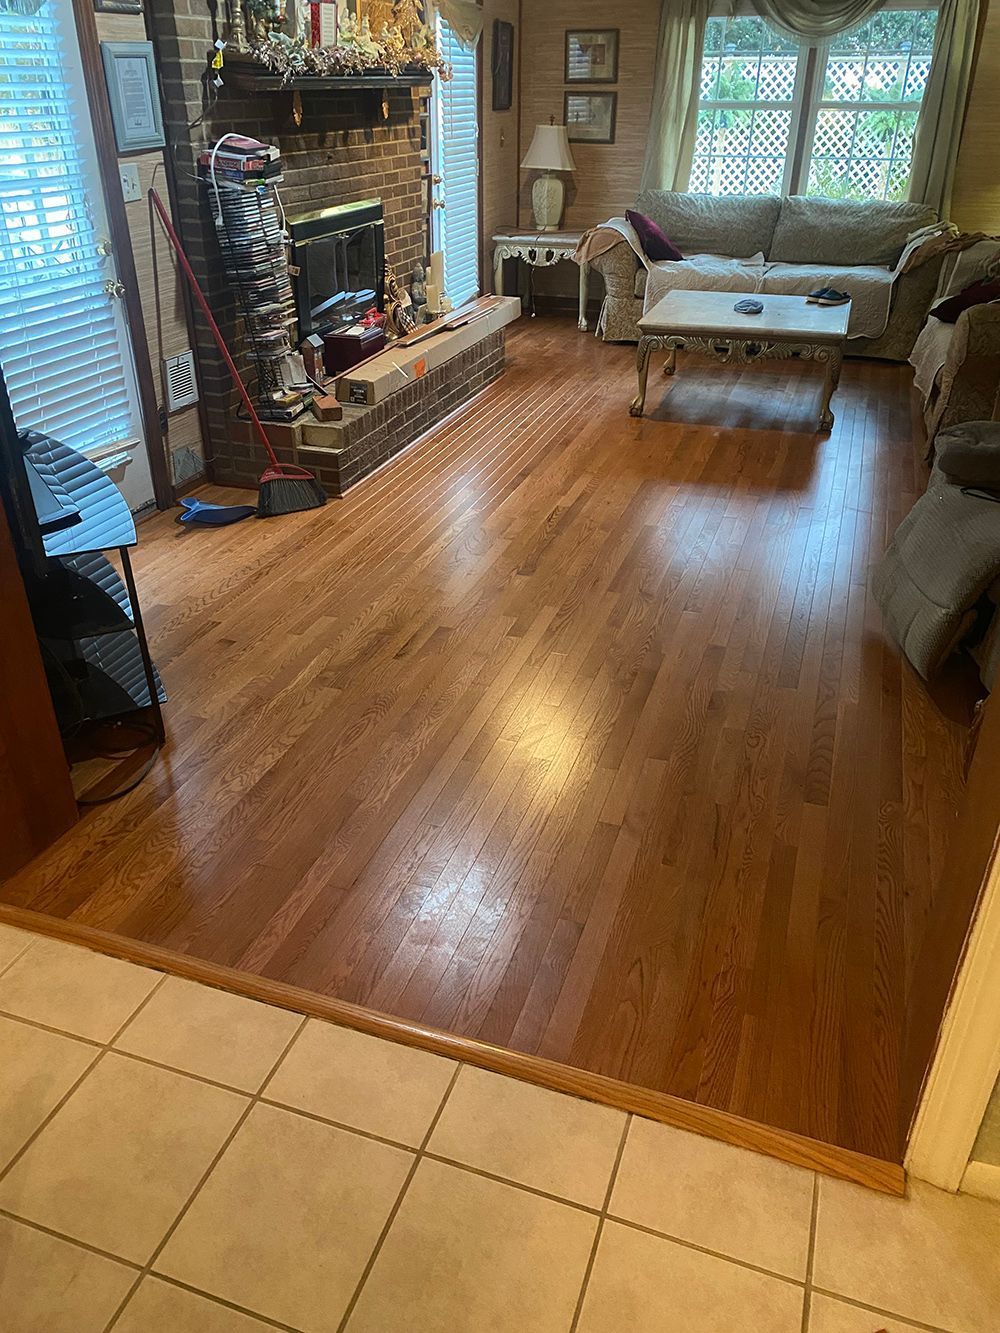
(345, 149)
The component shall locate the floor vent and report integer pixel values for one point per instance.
(182, 387)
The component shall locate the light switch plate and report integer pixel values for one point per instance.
(129, 174)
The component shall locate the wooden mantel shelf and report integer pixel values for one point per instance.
(246, 73)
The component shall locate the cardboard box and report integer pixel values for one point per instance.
(399, 364)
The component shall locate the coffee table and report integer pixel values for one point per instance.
(706, 322)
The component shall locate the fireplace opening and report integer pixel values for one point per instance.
(339, 253)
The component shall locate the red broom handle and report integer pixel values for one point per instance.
(199, 295)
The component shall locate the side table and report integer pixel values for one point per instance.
(539, 249)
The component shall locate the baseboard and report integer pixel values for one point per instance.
(982, 1179)
(786, 1146)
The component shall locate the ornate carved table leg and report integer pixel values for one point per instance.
(642, 368)
(671, 362)
(830, 382)
(498, 258)
(581, 323)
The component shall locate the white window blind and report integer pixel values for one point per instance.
(60, 343)
(458, 165)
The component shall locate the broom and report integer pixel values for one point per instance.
(284, 488)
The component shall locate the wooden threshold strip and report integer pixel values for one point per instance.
(786, 1146)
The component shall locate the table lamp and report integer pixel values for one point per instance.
(549, 153)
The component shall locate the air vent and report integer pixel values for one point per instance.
(182, 387)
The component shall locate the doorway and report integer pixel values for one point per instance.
(64, 343)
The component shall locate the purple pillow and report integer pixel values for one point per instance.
(655, 244)
(977, 293)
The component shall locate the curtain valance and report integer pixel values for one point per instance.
(815, 19)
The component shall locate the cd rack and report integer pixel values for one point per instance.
(255, 263)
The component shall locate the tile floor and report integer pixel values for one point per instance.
(174, 1159)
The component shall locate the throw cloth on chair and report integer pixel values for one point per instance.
(945, 554)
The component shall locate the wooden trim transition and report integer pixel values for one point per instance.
(829, 1160)
(107, 158)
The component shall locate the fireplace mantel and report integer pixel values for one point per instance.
(248, 74)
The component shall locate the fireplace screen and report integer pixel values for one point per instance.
(340, 255)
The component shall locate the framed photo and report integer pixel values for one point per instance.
(590, 117)
(592, 55)
(130, 73)
(503, 65)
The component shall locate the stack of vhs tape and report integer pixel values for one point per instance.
(254, 260)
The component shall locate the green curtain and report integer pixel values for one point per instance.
(939, 125)
(673, 117)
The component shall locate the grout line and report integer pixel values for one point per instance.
(394, 1210)
(47, 1027)
(68, 1240)
(212, 1299)
(810, 1257)
(20, 954)
(240, 1122)
(703, 1249)
(600, 1225)
(517, 1184)
(102, 1052)
(876, 1309)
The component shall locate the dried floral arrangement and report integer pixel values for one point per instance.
(402, 43)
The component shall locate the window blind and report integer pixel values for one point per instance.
(458, 165)
(60, 344)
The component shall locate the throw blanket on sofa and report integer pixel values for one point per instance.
(871, 288)
(943, 557)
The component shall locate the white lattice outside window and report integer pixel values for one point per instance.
(835, 119)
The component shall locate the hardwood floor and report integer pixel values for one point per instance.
(566, 731)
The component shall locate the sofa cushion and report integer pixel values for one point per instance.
(701, 273)
(869, 286)
(845, 231)
(654, 241)
(969, 454)
(739, 225)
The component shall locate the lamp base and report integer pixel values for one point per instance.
(547, 196)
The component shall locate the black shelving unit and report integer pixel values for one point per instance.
(87, 616)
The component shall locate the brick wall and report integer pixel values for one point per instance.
(343, 151)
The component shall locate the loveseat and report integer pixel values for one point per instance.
(789, 245)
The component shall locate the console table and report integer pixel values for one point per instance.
(539, 249)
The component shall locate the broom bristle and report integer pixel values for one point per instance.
(288, 495)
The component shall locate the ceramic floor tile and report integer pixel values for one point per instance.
(724, 1198)
(647, 1285)
(79, 991)
(552, 1142)
(117, 1162)
(930, 1257)
(378, 1086)
(205, 1031)
(48, 1285)
(827, 1315)
(160, 1307)
(288, 1219)
(468, 1253)
(13, 943)
(38, 1068)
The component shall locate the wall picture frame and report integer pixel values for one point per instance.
(591, 55)
(130, 74)
(503, 65)
(590, 117)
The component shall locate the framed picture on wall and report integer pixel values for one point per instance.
(503, 65)
(130, 73)
(592, 55)
(590, 117)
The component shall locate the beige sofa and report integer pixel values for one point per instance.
(800, 243)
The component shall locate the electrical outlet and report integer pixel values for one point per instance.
(129, 174)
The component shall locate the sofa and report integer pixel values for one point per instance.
(957, 366)
(788, 245)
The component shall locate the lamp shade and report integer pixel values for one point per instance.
(549, 150)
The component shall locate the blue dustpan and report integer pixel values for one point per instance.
(198, 511)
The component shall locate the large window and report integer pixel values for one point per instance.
(834, 119)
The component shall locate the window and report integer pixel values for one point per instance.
(61, 344)
(835, 119)
(456, 161)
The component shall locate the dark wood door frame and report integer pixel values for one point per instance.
(121, 240)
